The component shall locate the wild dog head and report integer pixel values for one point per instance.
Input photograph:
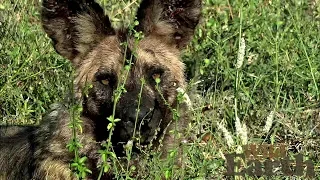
(82, 33)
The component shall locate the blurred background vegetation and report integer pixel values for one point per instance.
(277, 82)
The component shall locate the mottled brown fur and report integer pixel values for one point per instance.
(40, 152)
(83, 34)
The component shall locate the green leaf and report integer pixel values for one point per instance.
(127, 67)
(172, 154)
(143, 81)
(167, 174)
(117, 120)
(109, 126)
(201, 71)
(78, 144)
(74, 164)
(110, 118)
(83, 174)
(113, 154)
(83, 159)
(133, 168)
(158, 80)
(104, 157)
(80, 128)
(88, 171)
(70, 126)
(70, 147)
(106, 168)
(206, 61)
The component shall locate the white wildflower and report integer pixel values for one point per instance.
(222, 155)
(238, 126)
(129, 144)
(241, 131)
(244, 136)
(269, 122)
(226, 134)
(185, 97)
(241, 53)
(239, 150)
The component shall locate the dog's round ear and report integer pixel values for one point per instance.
(75, 26)
(174, 20)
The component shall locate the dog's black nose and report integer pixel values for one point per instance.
(143, 114)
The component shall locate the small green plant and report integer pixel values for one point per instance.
(107, 152)
(78, 165)
(172, 157)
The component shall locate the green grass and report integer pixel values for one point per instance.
(280, 74)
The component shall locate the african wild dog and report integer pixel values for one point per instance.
(82, 33)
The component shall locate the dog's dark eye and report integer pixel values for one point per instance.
(105, 82)
(105, 78)
(156, 76)
(155, 73)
